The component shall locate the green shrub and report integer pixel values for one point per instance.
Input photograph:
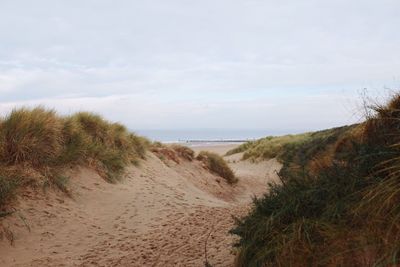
(218, 165)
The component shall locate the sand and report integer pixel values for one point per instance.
(161, 214)
(219, 148)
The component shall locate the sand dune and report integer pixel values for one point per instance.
(160, 215)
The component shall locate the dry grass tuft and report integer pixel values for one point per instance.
(7, 189)
(174, 153)
(37, 145)
(184, 152)
(338, 203)
(32, 136)
(165, 153)
(218, 165)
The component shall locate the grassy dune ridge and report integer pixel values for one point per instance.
(337, 204)
(37, 145)
(172, 152)
(211, 161)
(281, 146)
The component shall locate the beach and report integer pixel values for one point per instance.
(161, 214)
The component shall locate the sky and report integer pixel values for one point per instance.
(186, 64)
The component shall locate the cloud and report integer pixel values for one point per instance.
(161, 111)
(213, 60)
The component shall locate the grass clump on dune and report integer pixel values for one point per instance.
(7, 189)
(174, 152)
(218, 165)
(38, 145)
(211, 161)
(164, 152)
(184, 152)
(32, 136)
(344, 213)
(107, 146)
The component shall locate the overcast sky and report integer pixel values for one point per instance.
(158, 64)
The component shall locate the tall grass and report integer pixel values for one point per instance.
(39, 144)
(7, 189)
(32, 136)
(344, 213)
(218, 165)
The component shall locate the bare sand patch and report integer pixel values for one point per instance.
(220, 149)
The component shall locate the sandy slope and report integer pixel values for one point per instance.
(160, 215)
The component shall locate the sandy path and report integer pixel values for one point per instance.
(160, 215)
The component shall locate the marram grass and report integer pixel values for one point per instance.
(218, 165)
(338, 202)
(38, 144)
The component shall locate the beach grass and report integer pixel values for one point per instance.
(218, 165)
(337, 202)
(184, 152)
(38, 144)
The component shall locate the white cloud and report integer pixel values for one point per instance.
(222, 62)
(143, 111)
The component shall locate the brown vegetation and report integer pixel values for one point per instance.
(337, 204)
(218, 165)
(184, 152)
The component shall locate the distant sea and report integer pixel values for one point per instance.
(206, 135)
